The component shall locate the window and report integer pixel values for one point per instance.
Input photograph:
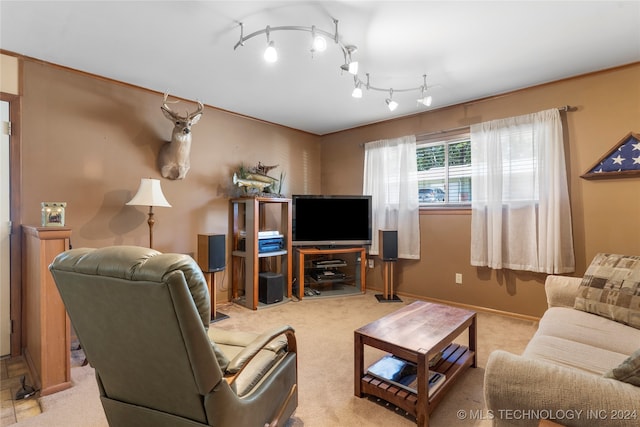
(444, 171)
(390, 178)
(521, 218)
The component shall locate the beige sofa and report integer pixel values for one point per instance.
(560, 375)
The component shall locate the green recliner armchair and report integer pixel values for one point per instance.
(142, 318)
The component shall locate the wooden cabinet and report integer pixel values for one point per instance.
(248, 217)
(46, 331)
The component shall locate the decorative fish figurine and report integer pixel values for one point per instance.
(260, 177)
(250, 183)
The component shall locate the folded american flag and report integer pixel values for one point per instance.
(624, 157)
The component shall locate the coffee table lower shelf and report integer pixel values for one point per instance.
(455, 360)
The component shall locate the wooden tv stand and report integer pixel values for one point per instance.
(302, 252)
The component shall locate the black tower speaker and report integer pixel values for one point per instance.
(211, 252)
(388, 245)
(270, 287)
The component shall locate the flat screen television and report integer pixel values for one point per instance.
(331, 220)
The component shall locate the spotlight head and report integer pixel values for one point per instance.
(425, 100)
(357, 92)
(391, 104)
(319, 44)
(350, 67)
(270, 53)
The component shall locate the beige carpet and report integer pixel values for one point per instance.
(324, 329)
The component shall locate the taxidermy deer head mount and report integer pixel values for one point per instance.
(174, 155)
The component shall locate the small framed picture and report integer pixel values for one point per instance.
(53, 214)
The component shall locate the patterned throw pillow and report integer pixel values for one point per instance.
(611, 288)
(628, 371)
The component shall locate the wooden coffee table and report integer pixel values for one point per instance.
(417, 333)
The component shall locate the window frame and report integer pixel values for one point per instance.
(445, 138)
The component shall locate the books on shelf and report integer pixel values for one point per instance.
(435, 359)
(266, 234)
(403, 373)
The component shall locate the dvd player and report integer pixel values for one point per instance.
(329, 262)
(327, 275)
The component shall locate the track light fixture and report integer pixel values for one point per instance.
(349, 65)
(390, 102)
(424, 98)
(270, 53)
(357, 90)
(319, 44)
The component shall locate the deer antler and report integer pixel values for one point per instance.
(198, 111)
(165, 102)
(187, 115)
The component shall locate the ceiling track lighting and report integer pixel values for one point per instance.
(424, 99)
(390, 102)
(357, 90)
(270, 53)
(349, 65)
(319, 44)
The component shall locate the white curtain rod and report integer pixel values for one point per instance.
(437, 132)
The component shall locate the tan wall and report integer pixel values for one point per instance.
(88, 141)
(605, 212)
(9, 81)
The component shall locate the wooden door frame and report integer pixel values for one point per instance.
(15, 212)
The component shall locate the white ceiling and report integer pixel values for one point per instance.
(467, 49)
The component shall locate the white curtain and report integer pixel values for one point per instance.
(390, 177)
(521, 216)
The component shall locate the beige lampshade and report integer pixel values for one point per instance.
(149, 194)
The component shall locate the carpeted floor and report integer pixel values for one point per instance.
(324, 330)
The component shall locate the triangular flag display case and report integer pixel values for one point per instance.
(622, 161)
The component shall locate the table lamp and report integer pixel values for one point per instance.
(149, 194)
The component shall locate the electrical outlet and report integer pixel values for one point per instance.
(459, 278)
(371, 263)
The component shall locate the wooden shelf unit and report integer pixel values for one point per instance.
(46, 331)
(248, 216)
